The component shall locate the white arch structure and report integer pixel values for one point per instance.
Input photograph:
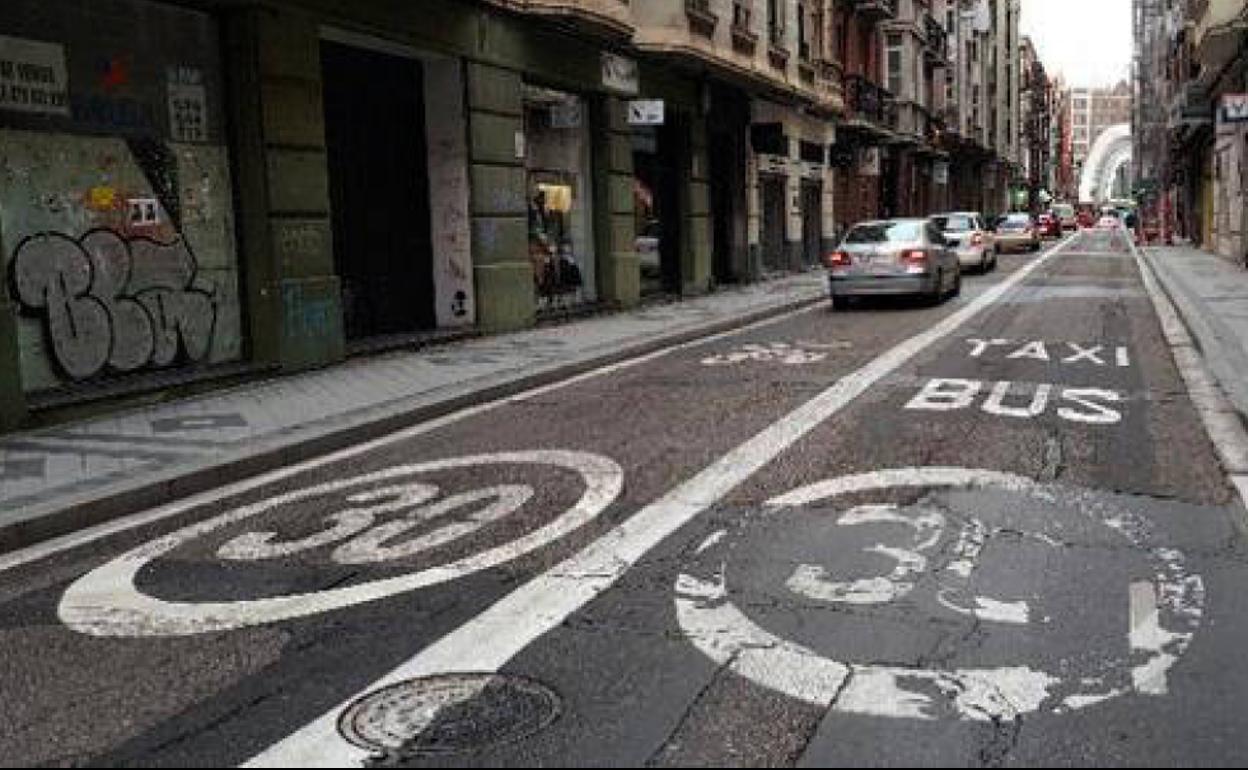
(1109, 153)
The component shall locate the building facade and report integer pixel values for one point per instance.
(1191, 120)
(210, 190)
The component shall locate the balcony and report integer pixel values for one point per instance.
(596, 18)
(744, 38)
(702, 20)
(936, 51)
(1219, 35)
(869, 105)
(1190, 108)
(878, 10)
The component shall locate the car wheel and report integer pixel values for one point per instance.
(938, 291)
(957, 285)
(840, 303)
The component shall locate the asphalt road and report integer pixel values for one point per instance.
(989, 532)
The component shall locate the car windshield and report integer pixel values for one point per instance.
(885, 232)
(1015, 222)
(955, 223)
(1065, 212)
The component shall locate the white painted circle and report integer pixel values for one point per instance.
(721, 631)
(107, 601)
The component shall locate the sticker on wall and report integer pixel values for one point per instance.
(144, 212)
(188, 105)
(33, 77)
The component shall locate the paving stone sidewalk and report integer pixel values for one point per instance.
(59, 479)
(1211, 294)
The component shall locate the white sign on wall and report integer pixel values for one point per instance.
(1234, 108)
(940, 172)
(33, 77)
(646, 112)
(619, 73)
(188, 105)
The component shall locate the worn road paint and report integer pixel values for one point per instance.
(710, 619)
(91, 534)
(775, 352)
(495, 636)
(812, 581)
(107, 601)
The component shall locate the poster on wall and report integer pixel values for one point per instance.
(33, 77)
(188, 105)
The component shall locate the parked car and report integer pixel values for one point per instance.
(1016, 231)
(967, 234)
(1065, 214)
(893, 257)
(1050, 225)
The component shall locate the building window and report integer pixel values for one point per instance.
(894, 58)
(775, 21)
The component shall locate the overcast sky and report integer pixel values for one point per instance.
(1086, 41)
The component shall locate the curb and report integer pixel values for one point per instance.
(1222, 421)
(44, 523)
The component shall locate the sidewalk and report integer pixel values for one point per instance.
(60, 479)
(1211, 294)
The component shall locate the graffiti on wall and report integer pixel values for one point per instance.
(111, 302)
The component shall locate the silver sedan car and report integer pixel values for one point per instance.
(893, 257)
(968, 235)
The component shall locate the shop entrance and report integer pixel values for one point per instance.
(660, 176)
(771, 190)
(379, 190)
(812, 223)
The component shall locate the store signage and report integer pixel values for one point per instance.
(619, 74)
(566, 114)
(33, 77)
(773, 164)
(1235, 108)
(869, 161)
(645, 112)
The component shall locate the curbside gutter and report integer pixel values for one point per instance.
(43, 522)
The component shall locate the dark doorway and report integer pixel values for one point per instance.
(775, 216)
(890, 190)
(728, 124)
(379, 190)
(812, 223)
(660, 156)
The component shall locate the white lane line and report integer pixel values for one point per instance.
(487, 642)
(82, 537)
(1220, 419)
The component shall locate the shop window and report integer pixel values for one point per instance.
(559, 195)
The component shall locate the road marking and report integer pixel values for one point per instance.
(951, 395)
(108, 602)
(76, 539)
(488, 641)
(711, 620)
(775, 352)
(812, 580)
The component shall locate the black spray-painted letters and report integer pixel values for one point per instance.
(114, 302)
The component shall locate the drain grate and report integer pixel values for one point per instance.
(451, 714)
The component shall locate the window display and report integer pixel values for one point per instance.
(560, 216)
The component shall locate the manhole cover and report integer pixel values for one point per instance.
(450, 714)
